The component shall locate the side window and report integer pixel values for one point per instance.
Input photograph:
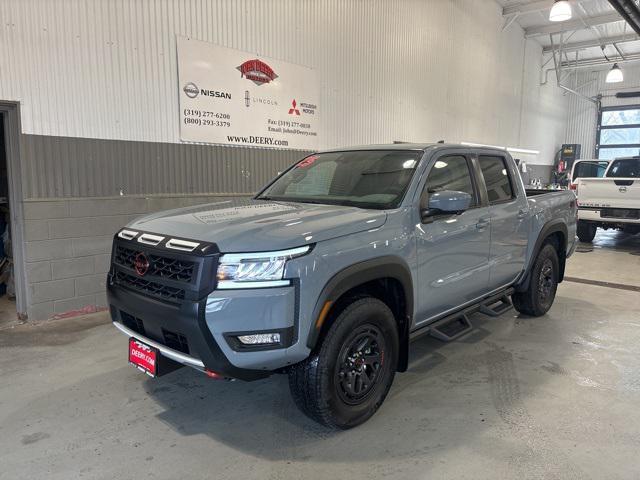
(450, 173)
(496, 177)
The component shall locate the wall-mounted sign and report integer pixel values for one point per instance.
(238, 98)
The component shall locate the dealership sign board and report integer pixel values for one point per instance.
(238, 98)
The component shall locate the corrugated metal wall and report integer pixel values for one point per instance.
(388, 70)
(82, 167)
(583, 115)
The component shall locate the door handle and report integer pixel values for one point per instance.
(522, 213)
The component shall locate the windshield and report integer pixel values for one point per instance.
(625, 168)
(593, 169)
(366, 178)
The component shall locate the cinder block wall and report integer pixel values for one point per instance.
(68, 246)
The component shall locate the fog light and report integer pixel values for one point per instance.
(260, 339)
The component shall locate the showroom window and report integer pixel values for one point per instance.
(618, 132)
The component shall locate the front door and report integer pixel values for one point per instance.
(452, 250)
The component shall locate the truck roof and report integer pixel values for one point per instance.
(409, 146)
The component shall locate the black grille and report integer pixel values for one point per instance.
(174, 340)
(133, 323)
(148, 287)
(159, 266)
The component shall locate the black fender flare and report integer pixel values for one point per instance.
(358, 274)
(549, 228)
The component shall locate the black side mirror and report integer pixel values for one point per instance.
(446, 202)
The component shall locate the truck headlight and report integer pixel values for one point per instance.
(256, 270)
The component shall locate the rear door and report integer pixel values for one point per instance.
(452, 250)
(509, 213)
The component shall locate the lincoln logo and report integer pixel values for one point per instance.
(141, 264)
(257, 71)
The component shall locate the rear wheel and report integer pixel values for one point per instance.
(538, 298)
(346, 381)
(586, 231)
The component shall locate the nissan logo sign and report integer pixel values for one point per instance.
(191, 90)
(141, 264)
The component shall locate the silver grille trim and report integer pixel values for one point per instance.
(182, 245)
(149, 239)
(128, 234)
(155, 240)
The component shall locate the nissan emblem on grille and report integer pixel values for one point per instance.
(141, 264)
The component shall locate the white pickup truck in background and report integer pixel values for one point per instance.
(587, 168)
(612, 201)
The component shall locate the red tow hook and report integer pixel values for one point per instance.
(214, 375)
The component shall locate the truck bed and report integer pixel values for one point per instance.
(534, 192)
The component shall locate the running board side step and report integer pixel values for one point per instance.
(450, 328)
(455, 325)
(496, 308)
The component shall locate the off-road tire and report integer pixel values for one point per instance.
(586, 231)
(539, 296)
(318, 384)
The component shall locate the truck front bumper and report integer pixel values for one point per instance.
(204, 334)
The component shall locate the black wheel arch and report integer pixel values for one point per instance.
(552, 229)
(357, 278)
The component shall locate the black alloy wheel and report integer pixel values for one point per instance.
(346, 379)
(359, 363)
(538, 298)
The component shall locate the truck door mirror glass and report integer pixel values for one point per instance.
(447, 202)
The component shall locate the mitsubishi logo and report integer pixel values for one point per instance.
(293, 108)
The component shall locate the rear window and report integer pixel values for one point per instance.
(589, 170)
(496, 177)
(625, 168)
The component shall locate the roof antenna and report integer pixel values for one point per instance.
(440, 141)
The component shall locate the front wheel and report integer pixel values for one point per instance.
(346, 381)
(586, 231)
(538, 298)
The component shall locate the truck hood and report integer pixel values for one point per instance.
(254, 225)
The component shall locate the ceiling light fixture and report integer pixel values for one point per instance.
(615, 74)
(560, 12)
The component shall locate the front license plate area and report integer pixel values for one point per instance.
(143, 357)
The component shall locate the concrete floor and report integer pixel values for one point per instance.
(553, 397)
(8, 315)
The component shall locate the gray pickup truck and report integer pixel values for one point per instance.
(331, 270)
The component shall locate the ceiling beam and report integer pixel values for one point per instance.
(572, 47)
(577, 24)
(530, 7)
